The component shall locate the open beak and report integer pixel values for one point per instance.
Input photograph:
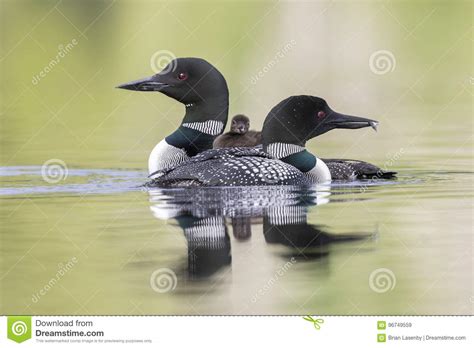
(337, 120)
(149, 84)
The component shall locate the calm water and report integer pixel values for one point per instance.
(111, 247)
(94, 242)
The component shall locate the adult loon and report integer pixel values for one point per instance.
(340, 169)
(239, 134)
(203, 90)
(283, 160)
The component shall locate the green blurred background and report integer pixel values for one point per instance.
(74, 112)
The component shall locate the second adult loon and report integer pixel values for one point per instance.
(283, 160)
(340, 169)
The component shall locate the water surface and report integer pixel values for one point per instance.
(254, 250)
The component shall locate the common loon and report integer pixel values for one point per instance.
(203, 90)
(340, 169)
(239, 134)
(283, 160)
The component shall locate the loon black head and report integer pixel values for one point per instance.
(192, 81)
(297, 119)
(203, 90)
(240, 124)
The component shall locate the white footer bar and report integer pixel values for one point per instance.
(237, 331)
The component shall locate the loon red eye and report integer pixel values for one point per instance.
(321, 114)
(182, 76)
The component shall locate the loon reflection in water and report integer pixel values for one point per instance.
(206, 214)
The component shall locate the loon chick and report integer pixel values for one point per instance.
(203, 90)
(239, 134)
(283, 160)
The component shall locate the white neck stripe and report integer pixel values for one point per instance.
(281, 150)
(211, 127)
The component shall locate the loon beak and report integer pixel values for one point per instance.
(338, 120)
(149, 84)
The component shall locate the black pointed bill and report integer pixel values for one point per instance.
(149, 84)
(337, 120)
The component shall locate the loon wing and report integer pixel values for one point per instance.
(239, 166)
(221, 153)
(344, 169)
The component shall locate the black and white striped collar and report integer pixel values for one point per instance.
(282, 150)
(211, 127)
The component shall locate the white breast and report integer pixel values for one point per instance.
(320, 173)
(165, 155)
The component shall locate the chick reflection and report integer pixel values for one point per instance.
(242, 228)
